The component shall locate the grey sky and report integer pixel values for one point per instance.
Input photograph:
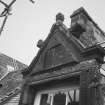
(31, 22)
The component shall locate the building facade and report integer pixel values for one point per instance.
(8, 64)
(10, 80)
(66, 70)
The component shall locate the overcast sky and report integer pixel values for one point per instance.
(31, 22)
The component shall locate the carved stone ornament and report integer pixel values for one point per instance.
(40, 43)
(59, 18)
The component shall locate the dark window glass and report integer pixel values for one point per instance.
(59, 99)
(44, 98)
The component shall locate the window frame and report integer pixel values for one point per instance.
(54, 90)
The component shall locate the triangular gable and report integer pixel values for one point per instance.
(56, 53)
(57, 50)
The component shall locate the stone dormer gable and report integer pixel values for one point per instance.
(58, 48)
(65, 46)
(64, 61)
(92, 34)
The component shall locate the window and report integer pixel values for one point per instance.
(58, 97)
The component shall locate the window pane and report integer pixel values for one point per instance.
(44, 98)
(77, 95)
(71, 94)
(59, 99)
(73, 97)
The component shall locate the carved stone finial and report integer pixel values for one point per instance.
(60, 17)
(40, 44)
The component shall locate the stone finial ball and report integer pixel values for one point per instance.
(40, 43)
(60, 16)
